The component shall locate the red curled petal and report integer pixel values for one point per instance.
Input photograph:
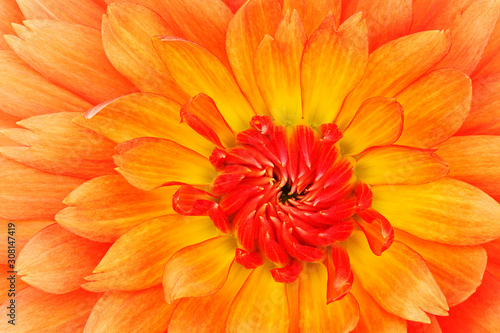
(249, 260)
(377, 229)
(331, 134)
(191, 201)
(289, 273)
(220, 220)
(340, 275)
(364, 195)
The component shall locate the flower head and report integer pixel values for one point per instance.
(259, 165)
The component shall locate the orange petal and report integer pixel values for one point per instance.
(479, 313)
(394, 66)
(245, 31)
(484, 114)
(126, 35)
(470, 34)
(234, 5)
(324, 87)
(43, 312)
(9, 13)
(208, 314)
(148, 163)
(204, 108)
(435, 107)
(57, 145)
(315, 315)
(198, 71)
(7, 121)
(84, 12)
(386, 20)
(446, 211)
(489, 64)
(277, 70)
(312, 16)
(198, 270)
(372, 318)
(400, 165)
(493, 250)
(23, 232)
(137, 259)
(457, 278)
(83, 68)
(28, 193)
(122, 311)
(148, 115)
(25, 93)
(436, 14)
(260, 305)
(378, 122)
(399, 280)
(292, 294)
(56, 260)
(473, 159)
(105, 208)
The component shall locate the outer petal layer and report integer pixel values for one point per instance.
(474, 159)
(43, 312)
(137, 259)
(398, 280)
(119, 311)
(56, 260)
(446, 211)
(82, 67)
(105, 208)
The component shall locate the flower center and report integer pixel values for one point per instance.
(287, 194)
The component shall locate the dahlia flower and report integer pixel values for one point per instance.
(250, 166)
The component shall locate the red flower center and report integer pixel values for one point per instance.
(286, 193)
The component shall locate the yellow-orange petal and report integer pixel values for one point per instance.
(474, 160)
(196, 70)
(315, 315)
(247, 310)
(24, 231)
(484, 115)
(324, 87)
(400, 165)
(57, 145)
(208, 314)
(83, 68)
(470, 34)
(312, 16)
(25, 93)
(203, 107)
(493, 250)
(85, 12)
(399, 280)
(292, 294)
(447, 211)
(394, 66)
(143, 115)
(386, 20)
(277, 70)
(44, 312)
(457, 278)
(30, 194)
(148, 163)
(198, 270)
(56, 260)
(489, 63)
(127, 30)
(372, 318)
(378, 122)
(249, 25)
(137, 259)
(105, 208)
(435, 107)
(119, 311)
(9, 13)
(479, 313)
